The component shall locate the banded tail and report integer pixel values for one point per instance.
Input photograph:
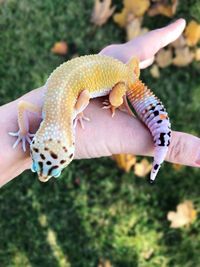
(152, 112)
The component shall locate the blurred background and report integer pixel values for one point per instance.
(102, 212)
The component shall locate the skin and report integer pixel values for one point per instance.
(125, 134)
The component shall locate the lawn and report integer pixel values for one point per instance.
(96, 211)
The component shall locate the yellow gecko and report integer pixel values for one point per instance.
(68, 91)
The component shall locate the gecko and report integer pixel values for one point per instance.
(68, 91)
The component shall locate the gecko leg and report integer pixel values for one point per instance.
(115, 97)
(81, 104)
(23, 134)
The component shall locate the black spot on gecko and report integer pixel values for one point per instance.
(53, 155)
(156, 113)
(62, 161)
(35, 149)
(159, 121)
(46, 149)
(42, 156)
(169, 133)
(70, 156)
(152, 108)
(51, 169)
(162, 139)
(156, 166)
(41, 167)
(49, 162)
(65, 149)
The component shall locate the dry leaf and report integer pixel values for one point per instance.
(154, 70)
(164, 58)
(192, 33)
(137, 7)
(60, 48)
(197, 54)
(177, 167)
(143, 168)
(125, 161)
(104, 263)
(184, 215)
(134, 8)
(133, 28)
(163, 9)
(183, 57)
(101, 12)
(180, 42)
(121, 18)
(148, 253)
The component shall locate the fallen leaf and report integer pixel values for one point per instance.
(147, 254)
(121, 18)
(134, 29)
(197, 54)
(192, 33)
(164, 58)
(154, 70)
(163, 9)
(183, 57)
(184, 215)
(143, 168)
(60, 48)
(125, 161)
(180, 42)
(101, 12)
(104, 263)
(137, 7)
(177, 167)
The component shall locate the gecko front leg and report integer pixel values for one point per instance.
(23, 134)
(81, 104)
(115, 97)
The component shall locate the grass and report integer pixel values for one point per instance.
(95, 211)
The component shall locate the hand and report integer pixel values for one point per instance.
(104, 135)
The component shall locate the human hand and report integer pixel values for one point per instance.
(104, 135)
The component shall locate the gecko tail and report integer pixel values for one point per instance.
(152, 112)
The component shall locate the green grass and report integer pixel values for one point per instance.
(96, 211)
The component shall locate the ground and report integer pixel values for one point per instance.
(95, 211)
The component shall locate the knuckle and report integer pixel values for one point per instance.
(177, 149)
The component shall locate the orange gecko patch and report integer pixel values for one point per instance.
(163, 116)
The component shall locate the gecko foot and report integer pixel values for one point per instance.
(21, 138)
(107, 105)
(81, 117)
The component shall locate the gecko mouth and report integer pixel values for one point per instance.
(44, 178)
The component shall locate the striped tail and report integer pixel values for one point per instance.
(152, 112)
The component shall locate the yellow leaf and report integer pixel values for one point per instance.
(192, 33)
(125, 161)
(183, 57)
(60, 48)
(184, 215)
(143, 168)
(104, 263)
(164, 58)
(121, 18)
(163, 9)
(133, 27)
(101, 12)
(137, 7)
(197, 54)
(154, 70)
(180, 42)
(177, 167)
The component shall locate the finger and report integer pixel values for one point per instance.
(105, 136)
(146, 63)
(147, 45)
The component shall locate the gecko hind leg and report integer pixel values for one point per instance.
(23, 134)
(115, 97)
(81, 104)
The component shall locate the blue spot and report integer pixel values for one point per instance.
(35, 167)
(56, 173)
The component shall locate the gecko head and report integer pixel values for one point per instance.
(50, 158)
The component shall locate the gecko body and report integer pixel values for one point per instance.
(68, 90)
